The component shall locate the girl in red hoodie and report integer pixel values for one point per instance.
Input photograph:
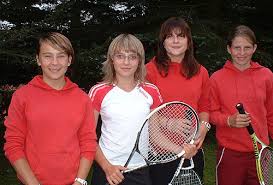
(50, 133)
(240, 80)
(179, 76)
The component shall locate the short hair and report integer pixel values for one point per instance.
(242, 31)
(127, 43)
(189, 66)
(57, 41)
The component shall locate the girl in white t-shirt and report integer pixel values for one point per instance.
(123, 100)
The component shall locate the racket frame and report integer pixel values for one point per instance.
(135, 149)
(255, 141)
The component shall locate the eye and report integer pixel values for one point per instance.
(132, 57)
(119, 56)
(47, 56)
(169, 36)
(181, 35)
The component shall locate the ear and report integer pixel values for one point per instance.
(69, 60)
(37, 60)
(228, 49)
(255, 47)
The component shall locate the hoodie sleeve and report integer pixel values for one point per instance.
(269, 104)
(217, 117)
(203, 103)
(87, 133)
(15, 128)
(151, 71)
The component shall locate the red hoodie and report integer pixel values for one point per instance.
(52, 129)
(254, 88)
(193, 91)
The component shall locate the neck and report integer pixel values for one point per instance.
(242, 67)
(177, 59)
(126, 84)
(55, 84)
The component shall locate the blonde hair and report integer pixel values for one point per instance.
(127, 43)
(57, 41)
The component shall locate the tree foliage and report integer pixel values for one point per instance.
(92, 24)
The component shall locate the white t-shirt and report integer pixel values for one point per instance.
(123, 114)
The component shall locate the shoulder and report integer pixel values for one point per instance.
(149, 86)
(151, 64)
(99, 89)
(151, 89)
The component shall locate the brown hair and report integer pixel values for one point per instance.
(57, 41)
(189, 65)
(243, 31)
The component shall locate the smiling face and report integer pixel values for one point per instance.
(176, 44)
(241, 51)
(54, 63)
(125, 64)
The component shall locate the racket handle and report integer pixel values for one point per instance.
(241, 110)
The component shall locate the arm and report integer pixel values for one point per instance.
(269, 104)
(83, 170)
(87, 142)
(15, 135)
(23, 169)
(204, 117)
(203, 109)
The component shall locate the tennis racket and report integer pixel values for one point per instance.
(163, 133)
(264, 157)
(185, 175)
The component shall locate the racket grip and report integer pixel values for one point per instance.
(241, 110)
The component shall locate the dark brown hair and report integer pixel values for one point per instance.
(189, 65)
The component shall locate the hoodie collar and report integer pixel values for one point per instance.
(37, 81)
(253, 66)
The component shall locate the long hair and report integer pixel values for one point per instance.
(189, 65)
(127, 43)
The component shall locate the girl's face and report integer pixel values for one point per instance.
(176, 44)
(54, 63)
(125, 64)
(241, 51)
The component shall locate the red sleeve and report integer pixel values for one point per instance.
(216, 116)
(87, 133)
(269, 104)
(15, 128)
(97, 93)
(203, 103)
(155, 94)
(151, 71)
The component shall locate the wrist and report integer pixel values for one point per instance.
(228, 121)
(80, 181)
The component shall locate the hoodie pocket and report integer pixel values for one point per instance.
(56, 168)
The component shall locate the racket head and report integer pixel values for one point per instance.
(165, 131)
(186, 177)
(266, 165)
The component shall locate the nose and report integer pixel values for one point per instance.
(242, 51)
(54, 60)
(175, 39)
(126, 60)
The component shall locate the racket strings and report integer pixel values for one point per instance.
(186, 177)
(166, 131)
(267, 165)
